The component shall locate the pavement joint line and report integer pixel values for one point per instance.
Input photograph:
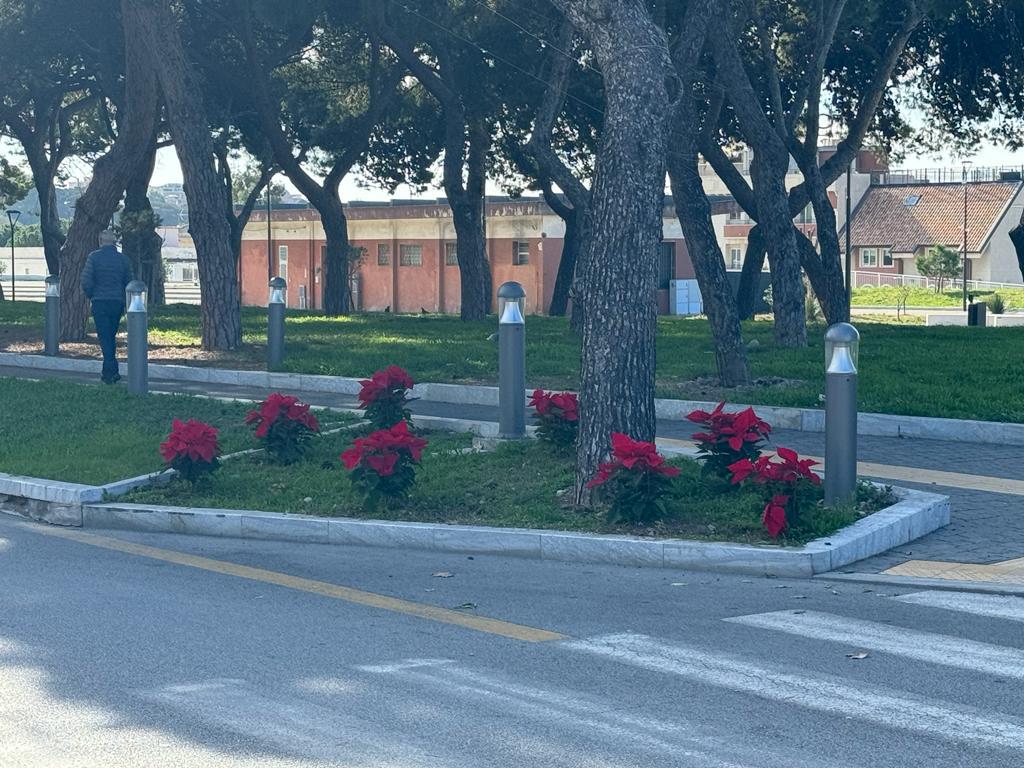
(312, 586)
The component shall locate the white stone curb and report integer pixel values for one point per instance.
(915, 514)
(802, 419)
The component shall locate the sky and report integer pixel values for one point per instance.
(169, 171)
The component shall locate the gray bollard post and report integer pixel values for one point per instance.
(275, 322)
(138, 339)
(51, 333)
(511, 362)
(841, 348)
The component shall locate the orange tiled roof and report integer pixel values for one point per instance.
(884, 219)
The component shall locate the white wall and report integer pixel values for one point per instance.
(999, 260)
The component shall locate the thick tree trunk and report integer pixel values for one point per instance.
(335, 275)
(110, 175)
(768, 173)
(618, 361)
(824, 267)
(1017, 238)
(566, 267)
(139, 239)
(694, 212)
(49, 216)
(749, 291)
(467, 203)
(190, 129)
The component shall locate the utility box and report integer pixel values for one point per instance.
(976, 314)
(684, 298)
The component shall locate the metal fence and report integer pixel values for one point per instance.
(879, 279)
(948, 175)
(33, 290)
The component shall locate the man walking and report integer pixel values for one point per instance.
(107, 272)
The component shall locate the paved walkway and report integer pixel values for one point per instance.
(986, 526)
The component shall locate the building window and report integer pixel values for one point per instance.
(869, 257)
(282, 261)
(383, 254)
(451, 254)
(410, 255)
(886, 257)
(666, 265)
(188, 275)
(520, 253)
(735, 258)
(738, 217)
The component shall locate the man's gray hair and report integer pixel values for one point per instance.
(107, 237)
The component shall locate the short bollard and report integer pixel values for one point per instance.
(841, 346)
(51, 332)
(511, 362)
(275, 322)
(138, 339)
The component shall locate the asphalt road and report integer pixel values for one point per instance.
(158, 650)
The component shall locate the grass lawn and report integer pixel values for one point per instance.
(515, 486)
(905, 369)
(95, 434)
(888, 296)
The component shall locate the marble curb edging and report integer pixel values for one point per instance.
(915, 514)
(801, 419)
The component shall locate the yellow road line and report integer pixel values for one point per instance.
(912, 474)
(326, 589)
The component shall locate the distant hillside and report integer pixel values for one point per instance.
(168, 202)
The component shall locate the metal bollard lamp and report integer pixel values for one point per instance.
(511, 361)
(842, 341)
(138, 338)
(275, 321)
(51, 333)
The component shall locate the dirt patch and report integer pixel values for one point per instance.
(707, 388)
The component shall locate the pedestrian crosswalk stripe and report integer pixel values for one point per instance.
(994, 606)
(825, 693)
(910, 643)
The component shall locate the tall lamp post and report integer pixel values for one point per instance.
(13, 216)
(966, 167)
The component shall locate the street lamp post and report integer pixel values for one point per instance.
(966, 168)
(13, 216)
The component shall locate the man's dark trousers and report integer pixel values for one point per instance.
(107, 315)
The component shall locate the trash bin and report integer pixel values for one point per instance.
(976, 314)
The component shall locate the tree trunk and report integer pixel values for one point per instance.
(139, 239)
(566, 267)
(618, 361)
(749, 291)
(768, 173)
(49, 216)
(467, 203)
(1017, 238)
(190, 129)
(110, 175)
(824, 266)
(694, 212)
(336, 255)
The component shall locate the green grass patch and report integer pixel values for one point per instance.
(905, 369)
(517, 485)
(95, 434)
(923, 298)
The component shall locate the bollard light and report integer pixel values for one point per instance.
(511, 362)
(511, 293)
(842, 335)
(135, 293)
(841, 340)
(51, 309)
(275, 322)
(278, 289)
(138, 338)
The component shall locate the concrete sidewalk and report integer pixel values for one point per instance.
(985, 525)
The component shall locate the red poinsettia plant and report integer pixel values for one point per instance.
(284, 426)
(728, 437)
(383, 464)
(785, 478)
(191, 449)
(635, 482)
(557, 415)
(385, 396)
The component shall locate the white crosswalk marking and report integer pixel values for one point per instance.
(820, 692)
(911, 643)
(996, 606)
